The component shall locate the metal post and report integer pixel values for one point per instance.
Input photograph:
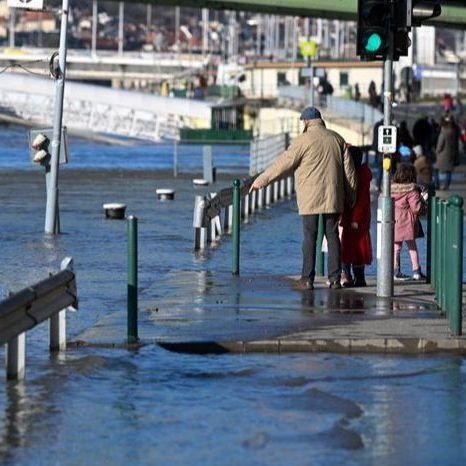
(51, 217)
(16, 358)
(456, 299)
(177, 28)
(205, 31)
(208, 164)
(320, 257)
(175, 159)
(385, 212)
(430, 209)
(236, 225)
(121, 22)
(12, 27)
(149, 17)
(94, 27)
(132, 279)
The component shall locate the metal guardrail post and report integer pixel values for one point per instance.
(455, 299)
(320, 257)
(236, 226)
(132, 279)
(16, 358)
(58, 321)
(430, 208)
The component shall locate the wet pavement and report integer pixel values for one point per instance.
(150, 406)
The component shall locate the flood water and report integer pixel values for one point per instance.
(100, 406)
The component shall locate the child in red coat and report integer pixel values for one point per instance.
(356, 247)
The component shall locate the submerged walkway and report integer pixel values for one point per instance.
(215, 313)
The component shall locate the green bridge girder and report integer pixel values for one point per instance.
(453, 11)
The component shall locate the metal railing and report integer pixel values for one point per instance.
(446, 255)
(349, 109)
(264, 152)
(208, 210)
(24, 310)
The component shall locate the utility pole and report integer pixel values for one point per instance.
(94, 27)
(51, 216)
(149, 17)
(121, 31)
(12, 27)
(307, 33)
(205, 31)
(177, 28)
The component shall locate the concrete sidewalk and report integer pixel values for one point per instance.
(206, 313)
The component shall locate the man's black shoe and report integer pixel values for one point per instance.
(303, 284)
(335, 286)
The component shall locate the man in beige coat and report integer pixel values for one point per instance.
(324, 177)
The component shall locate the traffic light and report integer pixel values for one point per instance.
(409, 13)
(373, 29)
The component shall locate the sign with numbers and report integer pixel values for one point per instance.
(387, 139)
(28, 4)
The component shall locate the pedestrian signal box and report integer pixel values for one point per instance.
(387, 139)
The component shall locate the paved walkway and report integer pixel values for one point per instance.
(207, 311)
(217, 312)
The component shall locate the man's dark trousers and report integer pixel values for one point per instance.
(310, 228)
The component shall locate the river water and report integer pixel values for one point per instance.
(99, 406)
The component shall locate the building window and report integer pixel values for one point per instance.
(343, 79)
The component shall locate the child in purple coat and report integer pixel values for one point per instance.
(409, 205)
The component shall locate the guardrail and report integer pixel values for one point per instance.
(208, 210)
(265, 150)
(24, 310)
(446, 253)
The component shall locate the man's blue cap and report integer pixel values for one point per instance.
(310, 113)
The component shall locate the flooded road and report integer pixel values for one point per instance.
(96, 406)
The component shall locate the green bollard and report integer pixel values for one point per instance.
(236, 227)
(430, 207)
(433, 239)
(456, 272)
(132, 279)
(320, 257)
(443, 257)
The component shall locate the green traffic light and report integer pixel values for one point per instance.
(374, 42)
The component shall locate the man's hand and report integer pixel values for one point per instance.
(354, 225)
(255, 185)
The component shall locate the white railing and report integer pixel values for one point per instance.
(102, 110)
(264, 151)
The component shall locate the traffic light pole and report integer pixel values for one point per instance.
(51, 215)
(385, 211)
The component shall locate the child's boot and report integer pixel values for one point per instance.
(359, 276)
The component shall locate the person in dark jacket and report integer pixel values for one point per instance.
(447, 151)
(422, 134)
(404, 136)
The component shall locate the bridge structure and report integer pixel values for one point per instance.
(107, 66)
(453, 11)
(96, 109)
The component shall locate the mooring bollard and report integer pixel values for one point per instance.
(236, 226)
(132, 279)
(320, 258)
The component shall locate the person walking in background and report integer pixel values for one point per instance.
(356, 247)
(324, 178)
(357, 93)
(409, 205)
(404, 136)
(422, 134)
(447, 151)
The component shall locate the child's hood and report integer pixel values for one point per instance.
(402, 189)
